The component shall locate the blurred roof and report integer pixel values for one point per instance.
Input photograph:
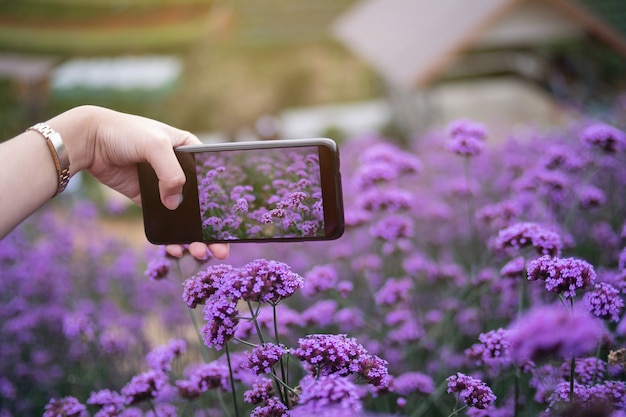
(411, 42)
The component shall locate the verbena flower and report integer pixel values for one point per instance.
(605, 302)
(553, 331)
(221, 315)
(267, 281)
(496, 347)
(160, 358)
(204, 377)
(373, 370)
(326, 354)
(413, 383)
(319, 279)
(326, 394)
(263, 357)
(273, 408)
(394, 291)
(144, 387)
(562, 276)
(262, 390)
(65, 407)
(604, 137)
(197, 289)
(110, 403)
(527, 234)
(472, 391)
(586, 371)
(466, 138)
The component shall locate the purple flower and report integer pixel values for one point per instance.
(413, 382)
(110, 403)
(241, 206)
(326, 354)
(264, 357)
(514, 268)
(262, 390)
(385, 200)
(267, 281)
(521, 235)
(221, 315)
(495, 347)
(605, 302)
(320, 278)
(273, 408)
(607, 138)
(327, 392)
(160, 358)
(204, 377)
(65, 407)
(474, 392)
(159, 266)
(466, 138)
(373, 370)
(549, 331)
(392, 228)
(562, 275)
(586, 370)
(394, 291)
(591, 197)
(197, 289)
(145, 386)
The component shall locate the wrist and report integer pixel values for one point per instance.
(77, 130)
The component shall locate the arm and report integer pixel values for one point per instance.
(104, 142)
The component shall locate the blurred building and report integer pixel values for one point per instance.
(514, 57)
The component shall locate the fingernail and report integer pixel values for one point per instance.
(173, 201)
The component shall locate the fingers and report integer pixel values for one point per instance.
(167, 168)
(220, 250)
(174, 250)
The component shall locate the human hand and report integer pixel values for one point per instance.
(111, 145)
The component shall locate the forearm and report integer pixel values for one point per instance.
(28, 177)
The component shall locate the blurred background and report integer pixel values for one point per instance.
(250, 69)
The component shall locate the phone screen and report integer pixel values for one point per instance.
(261, 194)
(280, 190)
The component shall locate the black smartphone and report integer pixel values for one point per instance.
(265, 191)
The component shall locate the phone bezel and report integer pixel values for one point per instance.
(183, 225)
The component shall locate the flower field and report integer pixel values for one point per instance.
(478, 276)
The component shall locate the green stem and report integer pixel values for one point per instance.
(255, 321)
(232, 380)
(595, 368)
(283, 374)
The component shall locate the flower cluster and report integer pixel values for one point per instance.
(562, 275)
(474, 392)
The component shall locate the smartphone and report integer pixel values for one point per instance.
(264, 191)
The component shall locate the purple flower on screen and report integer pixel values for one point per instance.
(562, 276)
(65, 407)
(263, 357)
(413, 383)
(602, 136)
(320, 278)
(160, 358)
(553, 331)
(197, 289)
(325, 354)
(143, 387)
(527, 234)
(605, 302)
(241, 206)
(326, 393)
(262, 390)
(472, 391)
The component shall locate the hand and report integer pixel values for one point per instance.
(115, 142)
